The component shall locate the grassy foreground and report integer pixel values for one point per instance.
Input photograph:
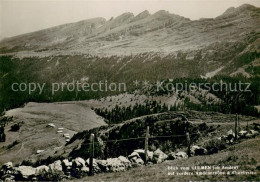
(245, 155)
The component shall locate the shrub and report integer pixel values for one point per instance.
(51, 176)
(13, 144)
(2, 134)
(214, 146)
(15, 127)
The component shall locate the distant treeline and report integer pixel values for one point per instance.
(15, 70)
(231, 102)
(119, 114)
(241, 102)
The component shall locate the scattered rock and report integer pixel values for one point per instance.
(253, 132)
(78, 162)
(26, 171)
(56, 166)
(113, 164)
(138, 161)
(135, 159)
(85, 169)
(181, 155)
(159, 156)
(8, 165)
(133, 154)
(51, 125)
(125, 161)
(41, 169)
(242, 133)
(141, 153)
(39, 151)
(66, 163)
(59, 131)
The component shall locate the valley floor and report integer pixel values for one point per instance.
(245, 155)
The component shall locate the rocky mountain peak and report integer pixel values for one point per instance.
(141, 16)
(161, 13)
(243, 9)
(124, 17)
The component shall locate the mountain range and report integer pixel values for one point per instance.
(146, 46)
(128, 34)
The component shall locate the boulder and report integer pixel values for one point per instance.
(113, 164)
(196, 150)
(181, 155)
(51, 125)
(78, 162)
(8, 165)
(159, 156)
(41, 169)
(66, 163)
(26, 171)
(138, 161)
(39, 151)
(141, 153)
(242, 133)
(135, 159)
(125, 161)
(85, 169)
(134, 154)
(253, 132)
(56, 166)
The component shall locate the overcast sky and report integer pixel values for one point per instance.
(23, 16)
